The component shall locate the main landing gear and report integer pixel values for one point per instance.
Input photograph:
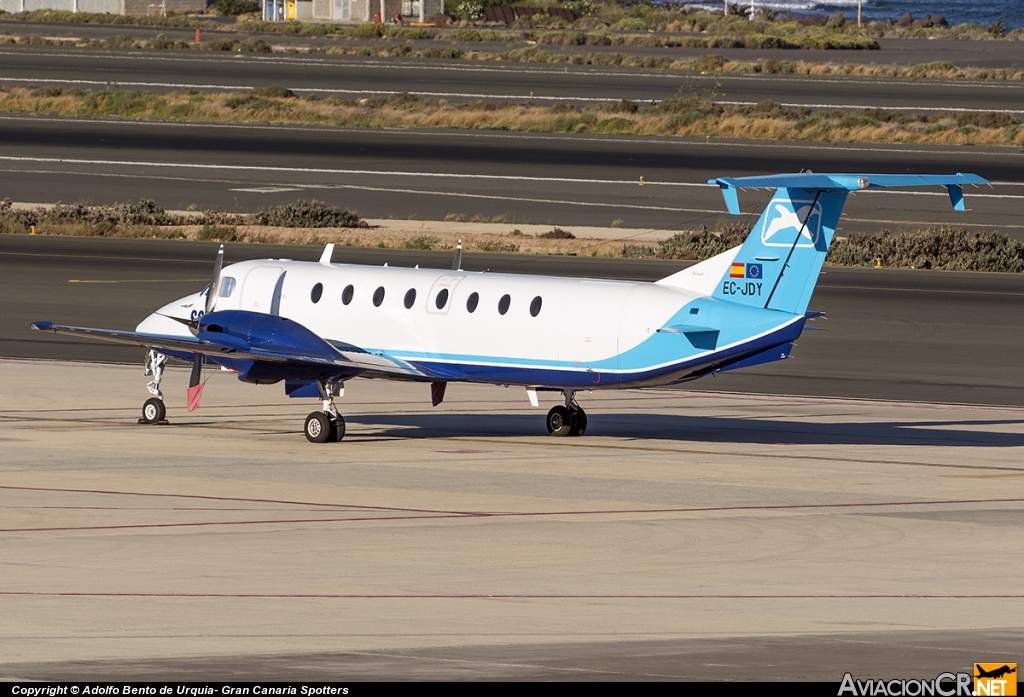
(328, 425)
(154, 411)
(568, 420)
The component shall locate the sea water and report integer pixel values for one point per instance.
(984, 12)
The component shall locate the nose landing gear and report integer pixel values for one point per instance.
(154, 411)
(568, 420)
(328, 425)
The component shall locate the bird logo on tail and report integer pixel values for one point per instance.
(785, 216)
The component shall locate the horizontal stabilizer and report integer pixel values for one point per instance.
(845, 182)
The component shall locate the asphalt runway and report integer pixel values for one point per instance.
(557, 179)
(353, 77)
(925, 336)
(686, 536)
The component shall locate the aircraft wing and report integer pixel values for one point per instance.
(225, 347)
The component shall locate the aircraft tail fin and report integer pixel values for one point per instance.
(778, 265)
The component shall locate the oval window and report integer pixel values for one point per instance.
(442, 299)
(346, 295)
(535, 306)
(318, 290)
(227, 287)
(378, 296)
(410, 298)
(503, 304)
(472, 301)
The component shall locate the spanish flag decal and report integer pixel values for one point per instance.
(736, 271)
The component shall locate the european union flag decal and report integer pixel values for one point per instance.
(754, 271)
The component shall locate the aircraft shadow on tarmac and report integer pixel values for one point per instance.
(706, 429)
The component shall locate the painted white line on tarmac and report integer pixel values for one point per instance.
(493, 197)
(324, 170)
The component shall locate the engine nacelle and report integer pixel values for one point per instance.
(248, 331)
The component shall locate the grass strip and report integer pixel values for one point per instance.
(708, 65)
(684, 116)
(69, 17)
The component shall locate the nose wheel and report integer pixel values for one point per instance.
(568, 420)
(154, 411)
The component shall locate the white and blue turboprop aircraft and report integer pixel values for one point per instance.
(315, 325)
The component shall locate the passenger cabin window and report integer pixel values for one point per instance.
(346, 295)
(410, 298)
(316, 293)
(378, 296)
(535, 306)
(442, 299)
(227, 287)
(472, 301)
(503, 304)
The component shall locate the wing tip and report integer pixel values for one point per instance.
(42, 326)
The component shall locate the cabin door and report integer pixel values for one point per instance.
(261, 291)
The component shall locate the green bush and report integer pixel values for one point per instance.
(465, 35)
(273, 91)
(145, 212)
(423, 242)
(236, 7)
(307, 214)
(947, 248)
(367, 31)
(767, 41)
(119, 41)
(615, 124)
(449, 52)
(557, 234)
(66, 17)
(498, 247)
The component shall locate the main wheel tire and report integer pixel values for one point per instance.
(579, 426)
(318, 427)
(153, 411)
(337, 429)
(559, 423)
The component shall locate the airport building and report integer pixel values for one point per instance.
(117, 7)
(356, 11)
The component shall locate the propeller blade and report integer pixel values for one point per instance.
(190, 323)
(211, 295)
(195, 386)
(197, 370)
